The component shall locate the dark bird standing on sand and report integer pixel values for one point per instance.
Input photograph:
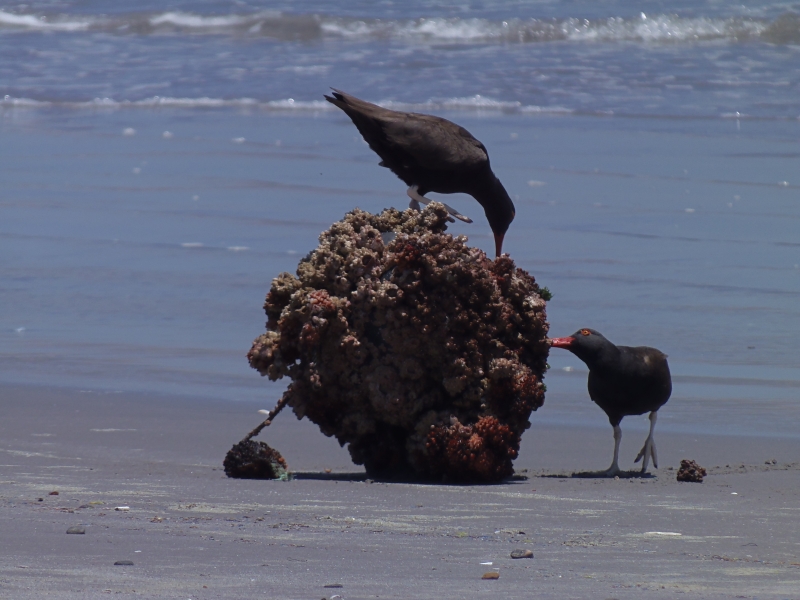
(431, 154)
(622, 381)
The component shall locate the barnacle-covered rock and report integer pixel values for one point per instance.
(421, 353)
(691, 471)
(254, 460)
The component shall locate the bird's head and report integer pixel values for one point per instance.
(500, 212)
(586, 344)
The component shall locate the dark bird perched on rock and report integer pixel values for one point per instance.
(623, 381)
(431, 154)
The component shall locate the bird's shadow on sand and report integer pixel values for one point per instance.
(634, 474)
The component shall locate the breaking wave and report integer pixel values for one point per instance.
(645, 28)
(475, 103)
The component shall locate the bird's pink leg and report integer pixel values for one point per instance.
(614, 468)
(414, 204)
(416, 199)
(649, 448)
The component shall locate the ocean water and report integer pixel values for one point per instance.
(160, 166)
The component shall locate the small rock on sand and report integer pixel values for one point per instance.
(491, 575)
(521, 553)
(123, 563)
(691, 471)
(77, 529)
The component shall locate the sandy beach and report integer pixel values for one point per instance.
(190, 532)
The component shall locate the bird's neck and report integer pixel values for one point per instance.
(488, 188)
(608, 357)
(494, 198)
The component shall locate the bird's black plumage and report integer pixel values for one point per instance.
(623, 381)
(433, 155)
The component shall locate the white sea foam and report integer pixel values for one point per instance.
(476, 103)
(203, 102)
(645, 28)
(181, 19)
(659, 28)
(301, 105)
(36, 22)
(9, 102)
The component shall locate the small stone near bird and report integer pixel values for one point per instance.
(691, 471)
(521, 554)
(77, 529)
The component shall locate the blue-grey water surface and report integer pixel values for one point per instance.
(159, 166)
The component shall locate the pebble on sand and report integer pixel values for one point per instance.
(123, 563)
(521, 553)
(53, 493)
(333, 585)
(491, 575)
(77, 529)
(691, 471)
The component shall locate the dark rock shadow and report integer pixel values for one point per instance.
(364, 477)
(360, 476)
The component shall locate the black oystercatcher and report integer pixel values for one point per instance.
(622, 381)
(431, 154)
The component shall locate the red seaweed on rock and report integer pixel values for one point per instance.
(422, 354)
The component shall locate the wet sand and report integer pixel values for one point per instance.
(193, 533)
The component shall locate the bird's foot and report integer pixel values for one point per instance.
(414, 205)
(647, 452)
(417, 198)
(611, 471)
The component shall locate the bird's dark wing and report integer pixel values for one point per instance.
(433, 142)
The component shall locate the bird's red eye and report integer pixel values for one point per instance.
(585, 332)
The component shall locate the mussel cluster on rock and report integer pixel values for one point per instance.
(419, 352)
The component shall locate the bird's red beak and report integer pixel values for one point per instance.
(498, 244)
(562, 342)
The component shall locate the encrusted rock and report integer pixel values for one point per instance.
(421, 353)
(691, 471)
(254, 460)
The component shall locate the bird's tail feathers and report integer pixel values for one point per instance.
(346, 101)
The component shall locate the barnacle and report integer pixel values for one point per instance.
(419, 352)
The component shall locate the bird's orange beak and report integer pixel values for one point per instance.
(562, 342)
(498, 244)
